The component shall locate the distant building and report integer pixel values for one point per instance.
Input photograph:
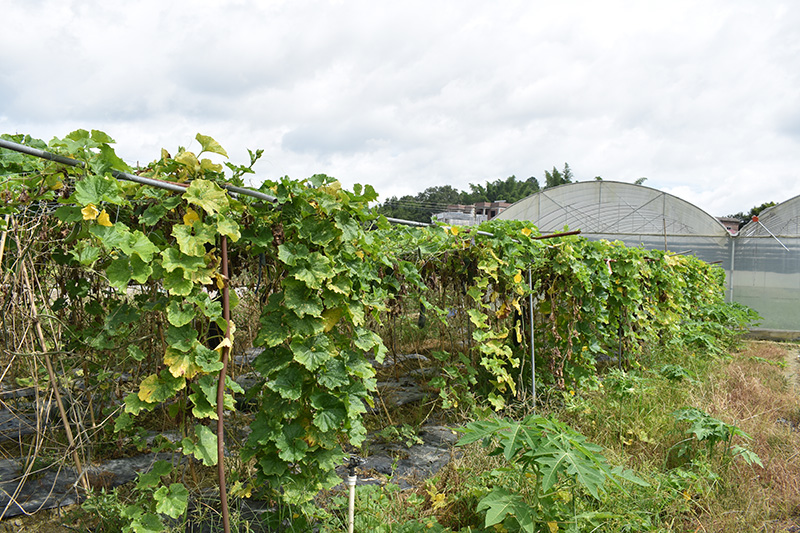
(731, 224)
(471, 215)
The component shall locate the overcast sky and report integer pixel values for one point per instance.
(701, 98)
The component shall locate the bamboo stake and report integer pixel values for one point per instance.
(48, 362)
(3, 239)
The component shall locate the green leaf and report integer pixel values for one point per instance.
(107, 160)
(272, 331)
(291, 444)
(152, 215)
(301, 299)
(319, 231)
(176, 283)
(119, 273)
(560, 457)
(140, 271)
(500, 503)
(172, 501)
(147, 523)
(334, 374)
(192, 239)
(86, 254)
(207, 359)
(101, 137)
(69, 213)
(210, 145)
(204, 448)
(207, 195)
(289, 253)
(179, 315)
(182, 338)
(134, 405)
(366, 339)
(288, 383)
(161, 387)
(95, 190)
(331, 413)
(313, 271)
(153, 477)
(228, 227)
(136, 353)
(312, 352)
(140, 245)
(173, 259)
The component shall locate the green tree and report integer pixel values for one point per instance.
(744, 218)
(555, 178)
(509, 190)
(423, 205)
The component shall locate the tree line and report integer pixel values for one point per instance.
(423, 205)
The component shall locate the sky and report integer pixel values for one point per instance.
(701, 98)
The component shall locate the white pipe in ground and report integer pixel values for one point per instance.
(351, 482)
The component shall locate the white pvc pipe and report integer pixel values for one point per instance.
(351, 507)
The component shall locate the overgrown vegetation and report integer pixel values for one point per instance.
(627, 433)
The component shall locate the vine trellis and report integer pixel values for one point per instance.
(137, 267)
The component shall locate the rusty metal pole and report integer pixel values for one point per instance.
(226, 314)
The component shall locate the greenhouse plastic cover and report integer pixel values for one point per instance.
(762, 264)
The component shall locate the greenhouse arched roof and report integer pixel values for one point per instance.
(782, 220)
(611, 207)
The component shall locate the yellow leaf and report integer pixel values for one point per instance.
(220, 280)
(180, 364)
(526, 231)
(104, 220)
(331, 317)
(226, 343)
(438, 501)
(242, 491)
(147, 387)
(90, 212)
(553, 526)
(190, 217)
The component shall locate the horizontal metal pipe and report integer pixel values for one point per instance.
(485, 233)
(161, 184)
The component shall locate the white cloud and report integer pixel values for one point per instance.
(700, 98)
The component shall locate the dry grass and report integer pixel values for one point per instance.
(754, 392)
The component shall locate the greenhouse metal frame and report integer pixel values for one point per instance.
(761, 262)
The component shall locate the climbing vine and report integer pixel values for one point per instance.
(138, 276)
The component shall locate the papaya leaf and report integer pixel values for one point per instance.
(500, 504)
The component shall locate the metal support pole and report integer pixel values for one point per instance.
(533, 360)
(226, 313)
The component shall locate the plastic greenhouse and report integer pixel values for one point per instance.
(761, 263)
